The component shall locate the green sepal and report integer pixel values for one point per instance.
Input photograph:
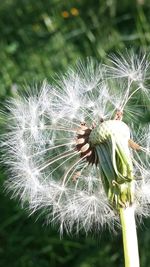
(115, 167)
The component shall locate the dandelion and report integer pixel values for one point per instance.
(77, 151)
(65, 14)
(74, 11)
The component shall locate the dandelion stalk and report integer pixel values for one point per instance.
(129, 233)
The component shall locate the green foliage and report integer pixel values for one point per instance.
(39, 38)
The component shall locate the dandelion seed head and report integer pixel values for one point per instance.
(57, 135)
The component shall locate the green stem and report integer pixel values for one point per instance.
(129, 233)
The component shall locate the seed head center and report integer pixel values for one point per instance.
(88, 137)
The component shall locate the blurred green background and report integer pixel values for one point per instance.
(37, 39)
